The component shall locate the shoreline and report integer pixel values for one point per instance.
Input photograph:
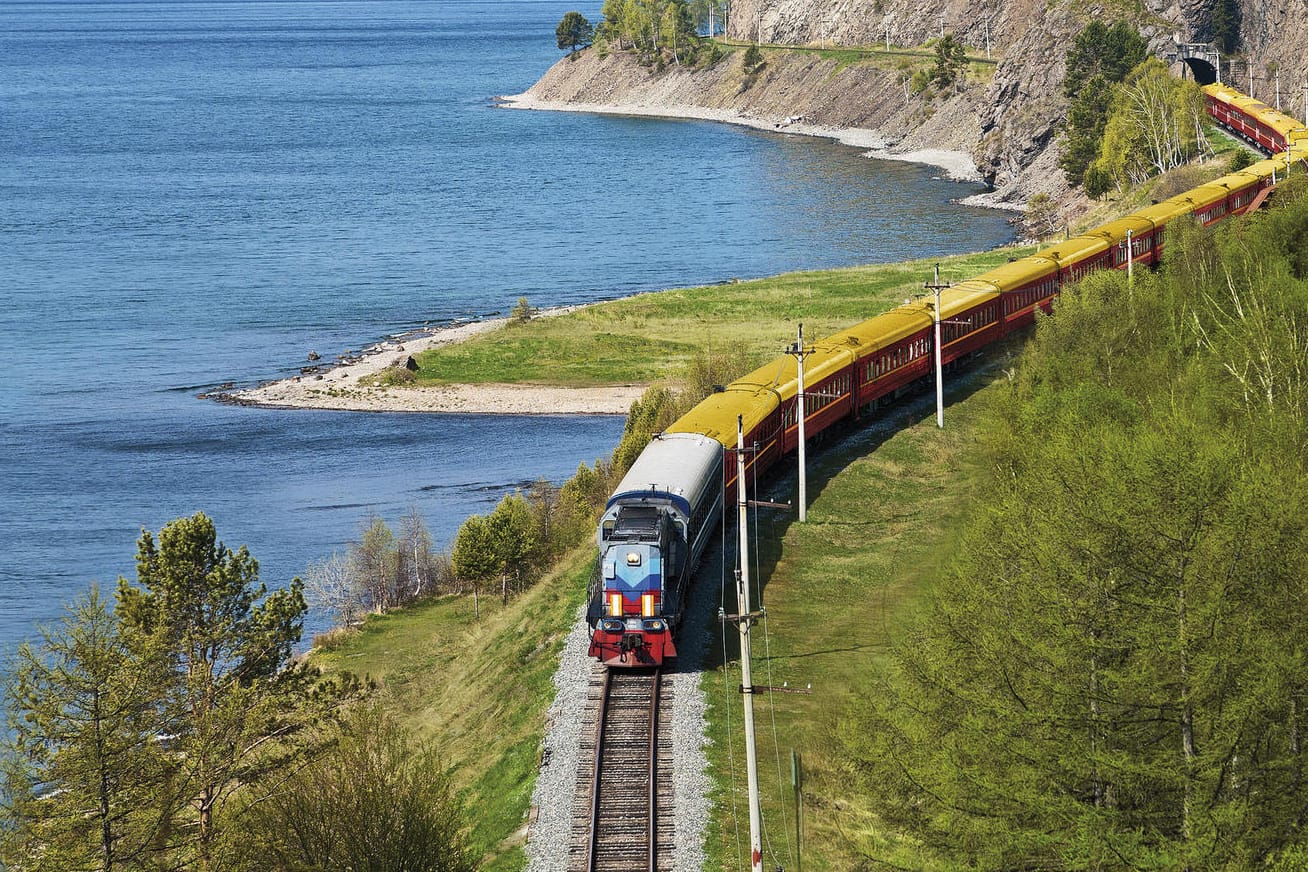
(957, 166)
(336, 386)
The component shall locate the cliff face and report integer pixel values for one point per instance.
(1008, 125)
(1023, 106)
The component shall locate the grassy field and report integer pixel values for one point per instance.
(479, 688)
(641, 339)
(886, 502)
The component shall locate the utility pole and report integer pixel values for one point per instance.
(937, 287)
(1249, 66)
(1130, 258)
(746, 619)
(801, 412)
(1305, 102)
(797, 782)
(987, 25)
(1278, 90)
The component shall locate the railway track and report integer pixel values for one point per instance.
(622, 821)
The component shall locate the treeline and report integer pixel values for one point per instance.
(660, 31)
(509, 549)
(1128, 118)
(1114, 672)
(172, 730)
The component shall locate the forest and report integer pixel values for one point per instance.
(1111, 675)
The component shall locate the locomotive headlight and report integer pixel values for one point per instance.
(654, 625)
(633, 558)
(611, 625)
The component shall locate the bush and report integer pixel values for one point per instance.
(752, 59)
(374, 799)
(1240, 159)
(396, 376)
(1097, 182)
(523, 311)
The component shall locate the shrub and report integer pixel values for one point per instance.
(523, 311)
(752, 59)
(1241, 159)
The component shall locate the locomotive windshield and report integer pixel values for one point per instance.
(637, 524)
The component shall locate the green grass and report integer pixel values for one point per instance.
(847, 55)
(642, 339)
(885, 507)
(480, 689)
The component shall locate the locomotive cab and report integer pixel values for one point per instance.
(641, 556)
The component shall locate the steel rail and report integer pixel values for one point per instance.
(653, 771)
(595, 773)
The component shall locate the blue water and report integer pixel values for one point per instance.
(193, 193)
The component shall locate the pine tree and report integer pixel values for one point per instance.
(87, 774)
(230, 695)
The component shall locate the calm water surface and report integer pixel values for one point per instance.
(193, 193)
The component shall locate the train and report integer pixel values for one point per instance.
(660, 518)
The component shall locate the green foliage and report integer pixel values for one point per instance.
(523, 311)
(752, 60)
(85, 783)
(1111, 675)
(1100, 58)
(1097, 181)
(374, 799)
(951, 62)
(1156, 124)
(1107, 51)
(1240, 158)
(132, 732)
(574, 32)
(1226, 25)
(659, 31)
(704, 11)
(677, 29)
(227, 641)
(1087, 116)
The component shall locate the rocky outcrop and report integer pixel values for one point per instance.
(1007, 122)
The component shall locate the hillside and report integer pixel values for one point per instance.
(1007, 115)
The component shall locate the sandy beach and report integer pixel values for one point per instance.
(956, 165)
(338, 386)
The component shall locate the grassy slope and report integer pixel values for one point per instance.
(885, 504)
(643, 338)
(836, 586)
(478, 688)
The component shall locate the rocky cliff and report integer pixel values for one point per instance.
(1006, 119)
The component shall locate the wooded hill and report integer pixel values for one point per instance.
(1111, 674)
